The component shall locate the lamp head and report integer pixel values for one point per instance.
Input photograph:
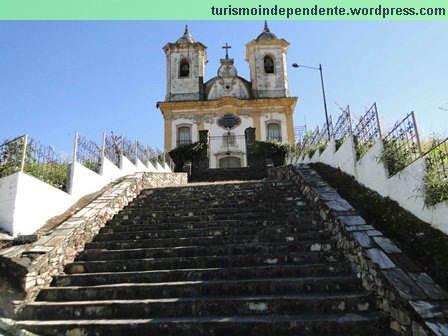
(295, 65)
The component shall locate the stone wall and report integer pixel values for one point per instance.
(416, 305)
(33, 266)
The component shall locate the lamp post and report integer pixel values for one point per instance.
(295, 65)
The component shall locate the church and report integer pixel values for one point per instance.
(226, 105)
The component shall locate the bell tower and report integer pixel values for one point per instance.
(185, 69)
(268, 69)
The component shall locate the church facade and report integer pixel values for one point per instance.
(226, 105)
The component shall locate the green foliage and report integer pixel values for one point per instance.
(435, 180)
(273, 149)
(397, 154)
(339, 142)
(322, 146)
(49, 171)
(436, 188)
(361, 148)
(194, 152)
(92, 165)
(11, 156)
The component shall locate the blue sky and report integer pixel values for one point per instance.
(93, 76)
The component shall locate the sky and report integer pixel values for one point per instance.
(57, 77)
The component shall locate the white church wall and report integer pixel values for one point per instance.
(186, 122)
(8, 194)
(35, 203)
(265, 118)
(84, 181)
(216, 145)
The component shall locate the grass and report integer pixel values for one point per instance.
(426, 246)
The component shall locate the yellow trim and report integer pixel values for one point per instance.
(168, 134)
(290, 127)
(256, 119)
(228, 104)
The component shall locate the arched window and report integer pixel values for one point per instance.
(274, 132)
(184, 68)
(183, 136)
(268, 64)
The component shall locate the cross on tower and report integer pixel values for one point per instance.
(227, 47)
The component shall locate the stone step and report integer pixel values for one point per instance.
(261, 238)
(305, 218)
(214, 306)
(207, 232)
(304, 222)
(341, 324)
(207, 209)
(202, 251)
(218, 288)
(204, 274)
(208, 217)
(123, 265)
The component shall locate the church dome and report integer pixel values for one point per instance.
(186, 38)
(266, 34)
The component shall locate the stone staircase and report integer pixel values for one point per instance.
(227, 174)
(246, 258)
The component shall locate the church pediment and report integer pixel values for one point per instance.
(221, 87)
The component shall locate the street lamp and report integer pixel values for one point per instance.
(295, 65)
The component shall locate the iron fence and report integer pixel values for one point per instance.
(112, 148)
(87, 153)
(128, 149)
(12, 156)
(436, 174)
(343, 127)
(367, 131)
(402, 145)
(227, 144)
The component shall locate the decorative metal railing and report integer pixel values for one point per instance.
(112, 148)
(128, 149)
(12, 157)
(88, 153)
(402, 145)
(28, 155)
(367, 131)
(343, 127)
(227, 144)
(436, 174)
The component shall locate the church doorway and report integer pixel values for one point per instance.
(230, 162)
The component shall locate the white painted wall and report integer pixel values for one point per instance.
(27, 203)
(406, 187)
(127, 167)
(266, 118)
(190, 122)
(85, 181)
(35, 203)
(8, 194)
(141, 166)
(109, 170)
(346, 157)
(327, 155)
(371, 172)
(151, 167)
